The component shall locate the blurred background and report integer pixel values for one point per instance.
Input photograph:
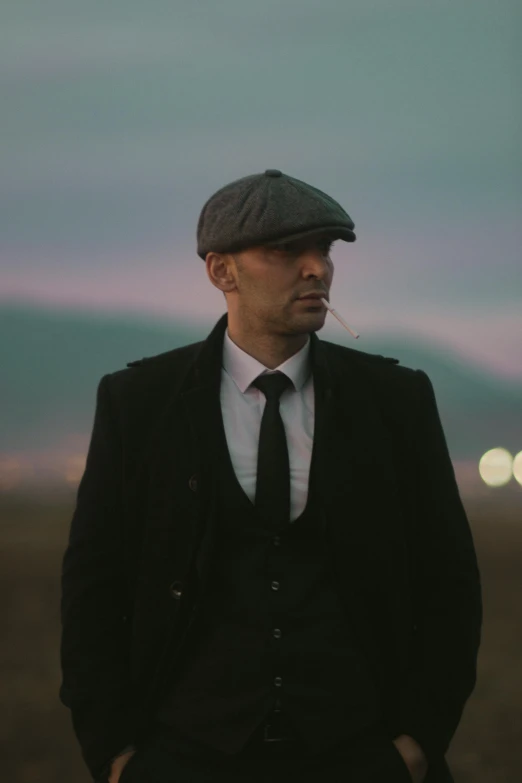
(119, 121)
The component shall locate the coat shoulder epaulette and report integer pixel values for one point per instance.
(383, 358)
(137, 362)
(343, 350)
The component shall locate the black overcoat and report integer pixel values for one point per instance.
(141, 540)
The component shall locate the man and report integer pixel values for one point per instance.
(269, 572)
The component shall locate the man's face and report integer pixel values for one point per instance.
(270, 281)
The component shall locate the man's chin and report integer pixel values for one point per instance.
(310, 321)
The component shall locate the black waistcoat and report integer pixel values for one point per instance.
(272, 631)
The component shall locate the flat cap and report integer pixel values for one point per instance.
(268, 208)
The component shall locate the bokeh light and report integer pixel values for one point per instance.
(517, 467)
(495, 467)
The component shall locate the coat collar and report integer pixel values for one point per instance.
(243, 369)
(200, 397)
(206, 370)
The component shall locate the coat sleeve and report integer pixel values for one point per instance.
(95, 638)
(446, 590)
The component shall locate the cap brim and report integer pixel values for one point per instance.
(332, 232)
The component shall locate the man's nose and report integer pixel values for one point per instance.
(316, 262)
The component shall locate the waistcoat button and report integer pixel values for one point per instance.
(193, 483)
(276, 633)
(278, 681)
(276, 540)
(275, 585)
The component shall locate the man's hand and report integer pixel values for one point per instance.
(413, 756)
(118, 764)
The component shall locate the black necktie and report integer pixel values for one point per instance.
(273, 465)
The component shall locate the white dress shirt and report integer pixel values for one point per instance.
(242, 406)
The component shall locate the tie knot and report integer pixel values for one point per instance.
(272, 385)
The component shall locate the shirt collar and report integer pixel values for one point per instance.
(243, 368)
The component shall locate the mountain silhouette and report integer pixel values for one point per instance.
(52, 361)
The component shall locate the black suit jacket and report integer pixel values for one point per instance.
(142, 532)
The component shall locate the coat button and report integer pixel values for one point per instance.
(176, 590)
(193, 483)
(275, 585)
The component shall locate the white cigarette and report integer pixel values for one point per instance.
(334, 312)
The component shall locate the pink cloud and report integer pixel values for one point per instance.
(160, 287)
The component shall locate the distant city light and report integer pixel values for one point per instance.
(495, 467)
(74, 469)
(517, 467)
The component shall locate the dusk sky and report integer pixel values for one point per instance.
(120, 119)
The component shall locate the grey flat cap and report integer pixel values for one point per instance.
(268, 208)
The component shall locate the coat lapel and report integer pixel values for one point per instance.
(179, 461)
(356, 465)
(368, 546)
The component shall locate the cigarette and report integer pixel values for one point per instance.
(341, 320)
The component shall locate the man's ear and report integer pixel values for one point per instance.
(224, 276)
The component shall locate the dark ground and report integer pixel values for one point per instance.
(37, 744)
